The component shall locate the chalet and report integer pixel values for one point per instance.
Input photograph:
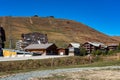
(112, 47)
(35, 38)
(31, 38)
(74, 49)
(62, 51)
(92, 46)
(42, 49)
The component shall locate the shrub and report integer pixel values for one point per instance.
(97, 52)
(43, 63)
(83, 51)
(110, 52)
(35, 16)
(118, 47)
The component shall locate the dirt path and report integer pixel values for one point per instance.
(88, 73)
(93, 75)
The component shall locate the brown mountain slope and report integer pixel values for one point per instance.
(58, 30)
(116, 38)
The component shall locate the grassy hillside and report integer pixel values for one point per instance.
(59, 31)
(116, 38)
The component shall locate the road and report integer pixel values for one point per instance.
(28, 57)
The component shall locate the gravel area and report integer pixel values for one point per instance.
(48, 73)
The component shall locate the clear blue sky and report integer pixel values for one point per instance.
(102, 15)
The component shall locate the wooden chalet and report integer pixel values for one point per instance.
(112, 47)
(62, 51)
(31, 38)
(74, 48)
(35, 38)
(42, 49)
(92, 46)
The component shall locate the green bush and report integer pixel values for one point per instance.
(83, 52)
(113, 52)
(118, 47)
(97, 52)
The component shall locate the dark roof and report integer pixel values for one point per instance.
(97, 44)
(38, 46)
(112, 45)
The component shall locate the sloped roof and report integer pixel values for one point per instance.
(38, 46)
(75, 45)
(113, 45)
(97, 44)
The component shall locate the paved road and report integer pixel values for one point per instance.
(46, 73)
(27, 58)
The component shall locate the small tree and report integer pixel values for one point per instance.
(97, 52)
(83, 52)
(51, 16)
(111, 52)
(118, 47)
(35, 16)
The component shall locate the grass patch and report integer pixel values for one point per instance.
(12, 67)
(59, 77)
(102, 64)
(29, 65)
(54, 77)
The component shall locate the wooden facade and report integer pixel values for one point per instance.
(74, 49)
(62, 51)
(112, 47)
(49, 50)
(90, 46)
(34, 38)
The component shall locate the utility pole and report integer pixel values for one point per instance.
(10, 34)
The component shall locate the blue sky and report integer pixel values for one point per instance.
(102, 15)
